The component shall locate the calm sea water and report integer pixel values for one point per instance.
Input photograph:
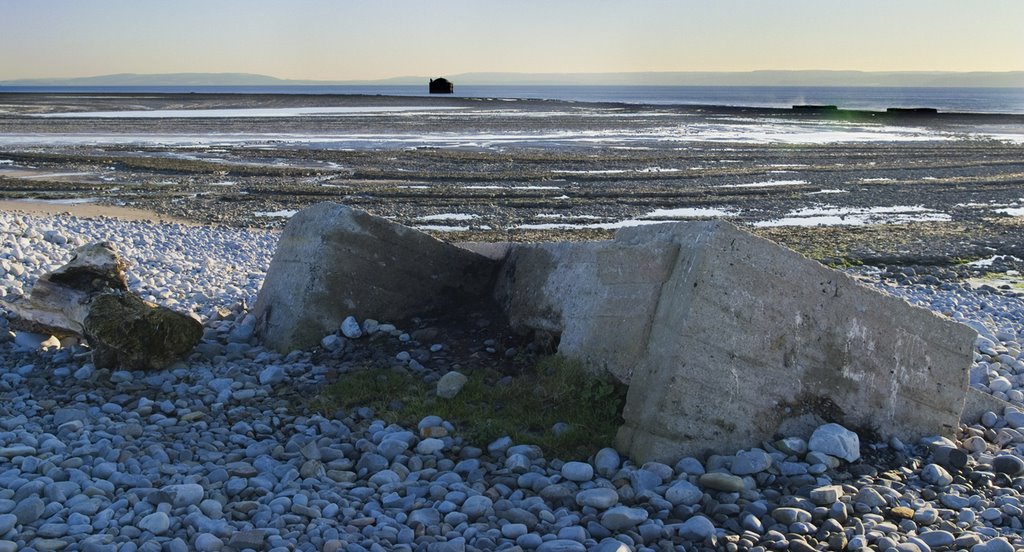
(964, 100)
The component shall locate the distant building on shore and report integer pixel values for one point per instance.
(441, 86)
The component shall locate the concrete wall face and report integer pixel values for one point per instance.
(600, 297)
(333, 261)
(727, 338)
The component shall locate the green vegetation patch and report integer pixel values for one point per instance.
(524, 407)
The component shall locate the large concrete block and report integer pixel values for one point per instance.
(333, 261)
(727, 339)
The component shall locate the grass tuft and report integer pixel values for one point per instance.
(524, 407)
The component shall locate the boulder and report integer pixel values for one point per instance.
(128, 333)
(89, 297)
(726, 339)
(333, 262)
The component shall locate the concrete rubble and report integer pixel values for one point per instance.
(333, 262)
(725, 339)
(89, 298)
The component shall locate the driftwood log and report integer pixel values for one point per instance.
(89, 298)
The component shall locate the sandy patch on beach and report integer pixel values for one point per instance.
(87, 210)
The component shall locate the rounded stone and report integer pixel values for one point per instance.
(870, 498)
(186, 494)
(272, 375)
(607, 462)
(429, 446)
(350, 328)
(476, 506)
(751, 462)
(7, 522)
(157, 523)
(936, 475)
(29, 510)
(206, 542)
(513, 530)
(1008, 464)
(390, 448)
(621, 518)
(998, 544)
(577, 471)
(684, 492)
(790, 516)
(517, 463)
(600, 498)
(561, 545)
(450, 384)
(1000, 384)
(722, 482)
(835, 440)
(697, 529)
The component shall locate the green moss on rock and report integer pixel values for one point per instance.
(128, 333)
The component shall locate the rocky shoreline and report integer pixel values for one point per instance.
(225, 451)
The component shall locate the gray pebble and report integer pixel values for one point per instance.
(936, 475)
(577, 471)
(721, 482)
(157, 523)
(751, 462)
(607, 462)
(697, 529)
(684, 492)
(1009, 464)
(7, 522)
(621, 518)
(835, 440)
(561, 545)
(600, 498)
(29, 510)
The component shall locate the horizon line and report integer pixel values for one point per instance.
(545, 73)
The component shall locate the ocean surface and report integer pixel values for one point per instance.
(957, 100)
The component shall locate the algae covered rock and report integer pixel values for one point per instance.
(131, 334)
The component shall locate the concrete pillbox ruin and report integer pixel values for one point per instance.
(726, 339)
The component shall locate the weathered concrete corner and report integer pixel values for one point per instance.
(333, 261)
(89, 297)
(727, 338)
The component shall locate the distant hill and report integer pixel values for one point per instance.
(200, 79)
(168, 79)
(1011, 79)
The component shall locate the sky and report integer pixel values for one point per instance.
(371, 39)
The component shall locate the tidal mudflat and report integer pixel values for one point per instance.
(846, 186)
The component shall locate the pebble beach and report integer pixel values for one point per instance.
(216, 453)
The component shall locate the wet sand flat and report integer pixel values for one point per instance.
(87, 210)
(843, 186)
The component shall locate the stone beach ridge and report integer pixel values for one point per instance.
(216, 453)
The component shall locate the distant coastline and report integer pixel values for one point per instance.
(814, 78)
(1009, 101)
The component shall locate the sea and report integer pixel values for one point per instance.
(947, 100)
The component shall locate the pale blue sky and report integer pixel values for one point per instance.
(340, 39)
